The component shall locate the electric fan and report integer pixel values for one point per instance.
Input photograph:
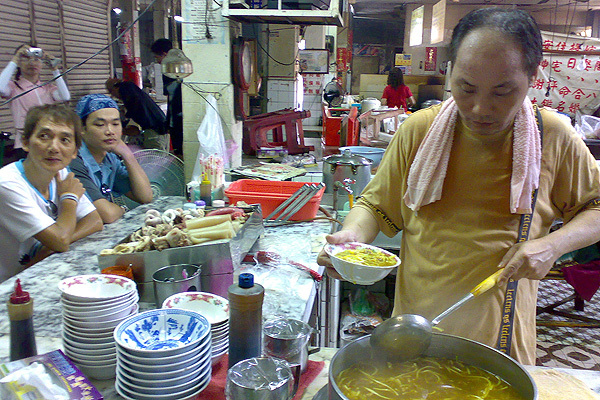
(165, 172)
(333, 94)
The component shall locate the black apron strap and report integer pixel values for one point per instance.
(510, 297)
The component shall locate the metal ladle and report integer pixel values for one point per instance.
(407, 336)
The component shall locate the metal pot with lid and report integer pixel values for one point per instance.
(338, 167)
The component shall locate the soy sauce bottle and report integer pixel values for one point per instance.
(20, 313)
(245, 319)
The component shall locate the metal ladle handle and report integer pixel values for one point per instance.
(483, 287)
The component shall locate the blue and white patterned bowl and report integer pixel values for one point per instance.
(164, 364)
(162, 332)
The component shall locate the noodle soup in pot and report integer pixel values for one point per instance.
(429, 378)
(453, 367)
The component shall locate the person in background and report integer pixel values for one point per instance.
(458, 177)
(28, 66)
(42, 206)
(396, 93)
(143, 111)
(105, 165)
(172, 89)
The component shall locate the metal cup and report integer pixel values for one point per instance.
(260, 378)
(174, 279)
(287, 338)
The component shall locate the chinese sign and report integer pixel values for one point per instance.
(342, 62)
(438, 19)
(202, 24)
(403, 59)
(416, 26)
(568, 81)
(312, 84)
(430, 58)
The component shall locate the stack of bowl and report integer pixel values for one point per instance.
(214, 308)
(163, 354)
(93, 305)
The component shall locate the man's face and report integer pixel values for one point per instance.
(159, 57)
(489, 81)
(103, 130)
(51, 146)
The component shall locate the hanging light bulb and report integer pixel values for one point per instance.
(176, 65)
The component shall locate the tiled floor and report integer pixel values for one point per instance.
(567, 347)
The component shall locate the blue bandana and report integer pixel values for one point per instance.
(94, 102)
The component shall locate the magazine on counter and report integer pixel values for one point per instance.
(45, 376)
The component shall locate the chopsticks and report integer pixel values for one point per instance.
(290, 199)
(294, 203)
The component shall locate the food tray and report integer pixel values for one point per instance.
(216, 259)
(270, 194)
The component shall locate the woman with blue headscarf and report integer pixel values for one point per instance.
(105, 165)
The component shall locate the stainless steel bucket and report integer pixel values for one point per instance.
(445, 346)
(174, 279)
(287, 339)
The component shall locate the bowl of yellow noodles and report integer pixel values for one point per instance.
(361, 263)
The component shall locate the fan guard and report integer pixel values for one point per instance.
(333, 94)
(165, 172)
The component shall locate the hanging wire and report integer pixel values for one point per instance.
(202, 93)
(547, 94)
(82, 62)
(254, 26)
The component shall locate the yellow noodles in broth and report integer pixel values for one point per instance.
(367, 256)
(430, 378)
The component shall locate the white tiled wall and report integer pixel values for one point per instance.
(280, 94)
(313, 85)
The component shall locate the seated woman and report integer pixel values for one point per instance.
(105, 165)
(42, 207)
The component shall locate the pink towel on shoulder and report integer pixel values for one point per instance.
(428, 169)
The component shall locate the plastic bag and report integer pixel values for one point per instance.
(210, 138)
(587, 126)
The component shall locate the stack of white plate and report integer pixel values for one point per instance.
(93, 305)
(163, 354)
(214, 308)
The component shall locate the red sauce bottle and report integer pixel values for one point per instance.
(20, 313)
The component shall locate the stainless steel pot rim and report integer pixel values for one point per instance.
(455, 341)
(353, 159)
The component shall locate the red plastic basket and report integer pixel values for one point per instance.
(270, 194)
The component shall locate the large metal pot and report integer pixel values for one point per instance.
(338, 167)
(442, 345)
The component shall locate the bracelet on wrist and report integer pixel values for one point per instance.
(69, 196)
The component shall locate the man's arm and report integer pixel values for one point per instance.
(87, 225)
(140, 185)
(108, 211)
(533, 259)
(359, 226)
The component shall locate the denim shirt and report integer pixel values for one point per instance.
(110, 173)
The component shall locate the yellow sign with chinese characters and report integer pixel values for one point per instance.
(403, 60)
